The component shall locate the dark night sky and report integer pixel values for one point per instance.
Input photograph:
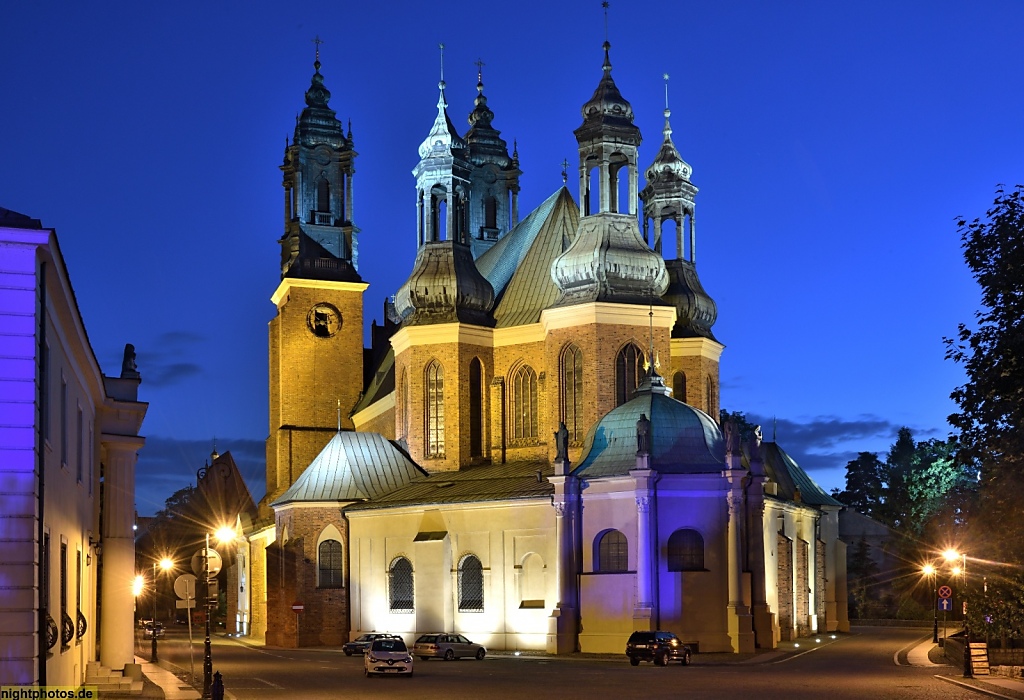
(833, 143)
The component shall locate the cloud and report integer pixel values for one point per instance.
(168, 464)
(162, 364)
(828, 442)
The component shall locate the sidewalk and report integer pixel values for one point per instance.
(172, 687)
(927, 653)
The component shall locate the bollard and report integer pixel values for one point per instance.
(217, 691)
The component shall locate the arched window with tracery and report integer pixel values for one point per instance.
(685, 551)
(471, 584)
(572, 391)
(679, 387)
(611, 553)
(434, 399)
(403, 404)
(629, 371)
(524, 404)
(329, 564)
(400, 586)
(710, 399)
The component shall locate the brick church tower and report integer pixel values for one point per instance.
(316, 339)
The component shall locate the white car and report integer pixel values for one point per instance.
(387, 657)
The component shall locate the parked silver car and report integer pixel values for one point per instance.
(447, 647)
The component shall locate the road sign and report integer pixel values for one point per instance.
(182, 604)
(298, 607)
(185, 587)
(215, 562)
(945, 605)
(945, 592)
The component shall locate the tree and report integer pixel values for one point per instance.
(863, 490)
(990, 419)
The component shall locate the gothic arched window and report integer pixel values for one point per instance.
(490, 212)
(524, 404)
(572, 391)
(476, 404)
(679, 387)
(471, 585)
(685, 551)
(710, 390)
(611, 552)
(403, 404)
(629, 370)
(434, 399)
(329, 564)
(400, 586)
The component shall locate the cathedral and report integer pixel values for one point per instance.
(530, 452)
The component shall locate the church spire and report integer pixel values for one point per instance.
(319, 240)
(668, 198)
(608, 260)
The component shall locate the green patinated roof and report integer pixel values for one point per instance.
(684, 439)
(519, 265)
(491, 482)
(782, 470)
(352, 467)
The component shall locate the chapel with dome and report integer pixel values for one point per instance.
(507, 461)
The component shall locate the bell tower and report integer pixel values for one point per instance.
(316, 338)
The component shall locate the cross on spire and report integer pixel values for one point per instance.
(565, 171)
(317, 40)
(605, 6)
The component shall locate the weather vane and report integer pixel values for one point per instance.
(441, 46)
(666, 90)
(605, 6)
(565, 170)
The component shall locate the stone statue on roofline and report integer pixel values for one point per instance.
(643, 435)
(129, 370)
(561, 442)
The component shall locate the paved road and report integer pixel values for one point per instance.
(871, 663)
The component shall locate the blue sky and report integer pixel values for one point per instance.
(833, 145)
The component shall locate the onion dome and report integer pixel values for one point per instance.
(484, 141)
(608, 261)
(443, 138)
(668, 165)
(445, 287)
(607, 106)
(696, 311)
(318, 123)
(682, 439)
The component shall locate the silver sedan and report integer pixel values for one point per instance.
(448, 647)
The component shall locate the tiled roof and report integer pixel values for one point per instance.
(352, 467)
(491, 482)
(519, 265)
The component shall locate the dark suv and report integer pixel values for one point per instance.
(659, 647)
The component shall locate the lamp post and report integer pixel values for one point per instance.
(223, 534)
(929, 570)
(166, 565)
(952, 555)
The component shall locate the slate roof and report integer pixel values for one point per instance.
(785, 472)
(352, 467)
(490, 482)
(684, 439)
(518, 266)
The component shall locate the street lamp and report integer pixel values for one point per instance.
(951, 555)
(166, 565)
(929, 571)
(223, 534)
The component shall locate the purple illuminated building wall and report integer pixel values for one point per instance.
(68, 444)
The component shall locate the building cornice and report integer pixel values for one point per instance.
(606, 313)
(373, 410)
(441, 333)
(295, 282)
(697, 346)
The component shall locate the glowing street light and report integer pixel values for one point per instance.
(165, 564)
(929, 571)
(222, 534)
(952, 555)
